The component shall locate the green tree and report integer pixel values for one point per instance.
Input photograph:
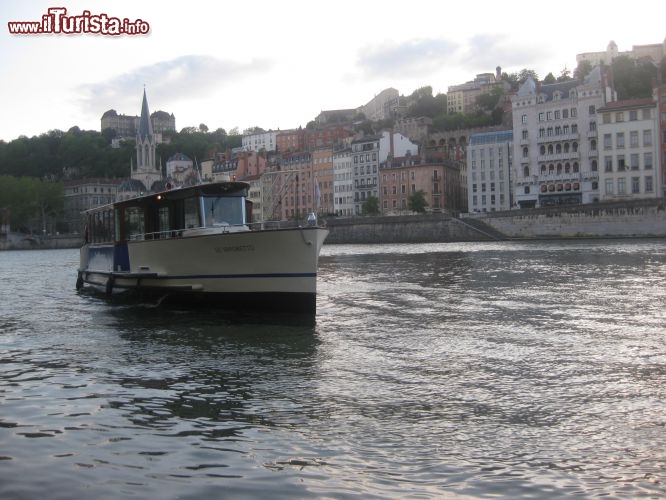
(582, 70)
(370, 206)
(550, 78)
(633, 78)
(417, 202)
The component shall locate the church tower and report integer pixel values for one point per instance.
(146, 168)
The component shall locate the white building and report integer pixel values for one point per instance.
(628, 133)
(258, 141)
(367, 153)
(489, 165)
(555, 155)
(343, 183)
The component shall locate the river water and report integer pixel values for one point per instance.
(512, 370)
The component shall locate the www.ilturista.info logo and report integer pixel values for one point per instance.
(58, 22)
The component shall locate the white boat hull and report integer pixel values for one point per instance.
(267, 269)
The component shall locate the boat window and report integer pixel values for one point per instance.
(135, 223)
(163, 219)
(100, 226)
(223, 211)
(191, 208)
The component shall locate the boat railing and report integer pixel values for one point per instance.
(218, 229)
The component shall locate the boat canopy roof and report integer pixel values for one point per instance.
(235, 188)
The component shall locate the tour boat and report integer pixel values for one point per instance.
(197, 245)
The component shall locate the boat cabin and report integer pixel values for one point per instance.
(194, 211)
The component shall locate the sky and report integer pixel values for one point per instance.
(277, 64)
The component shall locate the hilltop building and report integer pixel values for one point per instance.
(462, 98)
(383, 106)
(655, 52)
(126, 126)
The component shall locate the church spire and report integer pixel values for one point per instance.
(145, 126)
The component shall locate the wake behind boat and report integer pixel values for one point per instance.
(195, 245)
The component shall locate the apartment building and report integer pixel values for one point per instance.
(629, 131)
(343, 183)
(365, 159)
(84, 194)
(555, 153)
(323, 182)
(489, 166)
(290, 140)
(367, 154)
(404, 176)
(660, 97)
(462, 98)
(258, 141)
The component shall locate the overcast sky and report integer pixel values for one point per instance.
(278, 63)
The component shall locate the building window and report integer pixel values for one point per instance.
(619, 117)
(647, 161)
(633, 139)
(647, 138)
(541, 116)
(634, 161)
(608, 163)
(621, 185)
(523, 119)
(633, 115)
(648, 184)
(526, 190)
(635, 185)
(609, 186)
(619, 140)
(525, 134)
(526, 172)
(591, 110)
(620, 163)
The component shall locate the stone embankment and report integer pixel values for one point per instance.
(16, 241)
(634, 219)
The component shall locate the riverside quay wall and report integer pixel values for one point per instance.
(631, 219)
(406, 229)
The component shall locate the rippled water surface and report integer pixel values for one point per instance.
(531, 370)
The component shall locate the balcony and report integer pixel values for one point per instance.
(570, 156)
(558, 138)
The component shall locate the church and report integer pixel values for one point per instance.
(145, 170)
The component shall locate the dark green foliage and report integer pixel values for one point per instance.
(371, 206)
(633, 78)
(31, 202)
(417, 202)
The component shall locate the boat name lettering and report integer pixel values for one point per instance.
(235, 248)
